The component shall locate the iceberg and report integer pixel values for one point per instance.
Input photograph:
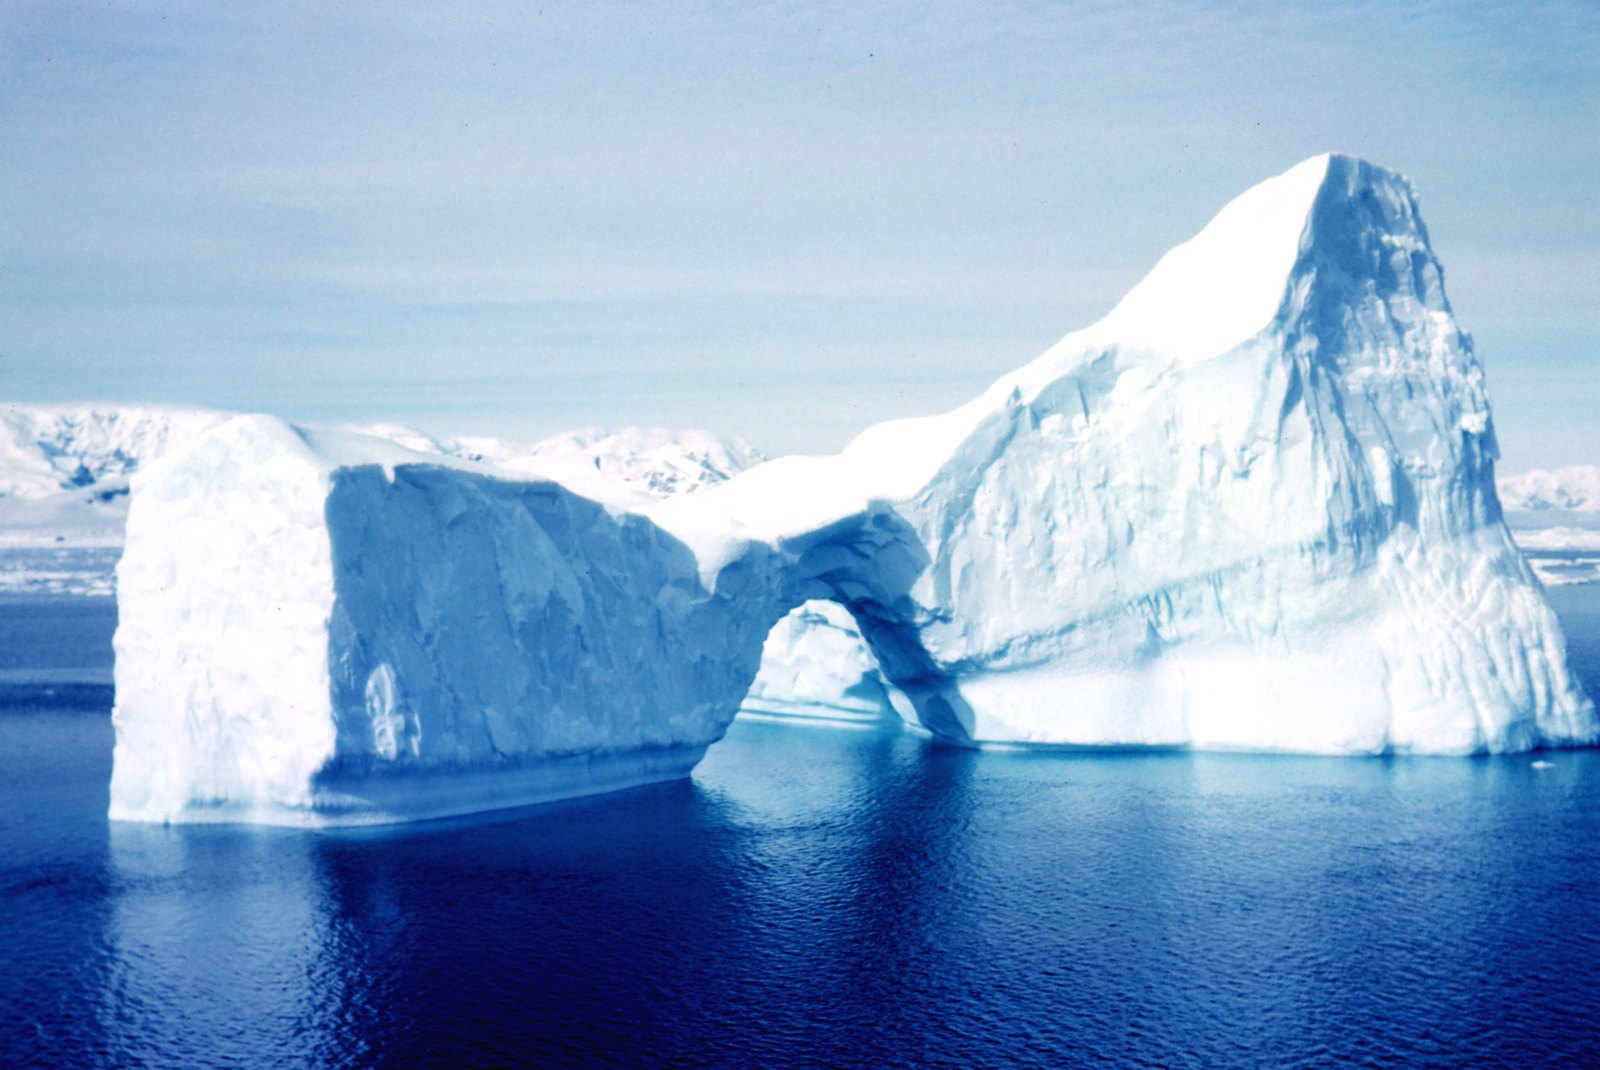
(1251, 508)
(326, 628)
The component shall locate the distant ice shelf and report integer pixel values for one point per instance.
(1252, 508)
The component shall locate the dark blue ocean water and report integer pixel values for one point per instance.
(818, 897)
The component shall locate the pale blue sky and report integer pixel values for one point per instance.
(781, 220)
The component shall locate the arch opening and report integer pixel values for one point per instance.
(818, 668)
(850, 650)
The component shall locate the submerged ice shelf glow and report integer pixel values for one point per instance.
(1252, 508)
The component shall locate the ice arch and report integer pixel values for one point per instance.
(327, 628)
(817, 669)
(1251, 508)
(871, 564)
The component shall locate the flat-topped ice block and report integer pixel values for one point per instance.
(335, 630)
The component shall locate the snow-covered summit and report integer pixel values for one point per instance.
(1220, 287)
(1335, 222)
(1245, 279)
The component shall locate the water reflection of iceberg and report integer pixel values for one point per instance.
(222, 948)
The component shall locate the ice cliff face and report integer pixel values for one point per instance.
(1251, 508)
(814, 665)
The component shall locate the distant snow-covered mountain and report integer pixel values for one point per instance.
(88, 451)
(1555, 517)
(50, 450)
(659, 463)
(1575, 489)
(654, 462)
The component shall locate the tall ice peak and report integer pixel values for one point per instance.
(1230, 281)
(1349, 226)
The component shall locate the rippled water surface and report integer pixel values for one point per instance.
(825, 897)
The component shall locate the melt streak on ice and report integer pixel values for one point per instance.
(1252, 508)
